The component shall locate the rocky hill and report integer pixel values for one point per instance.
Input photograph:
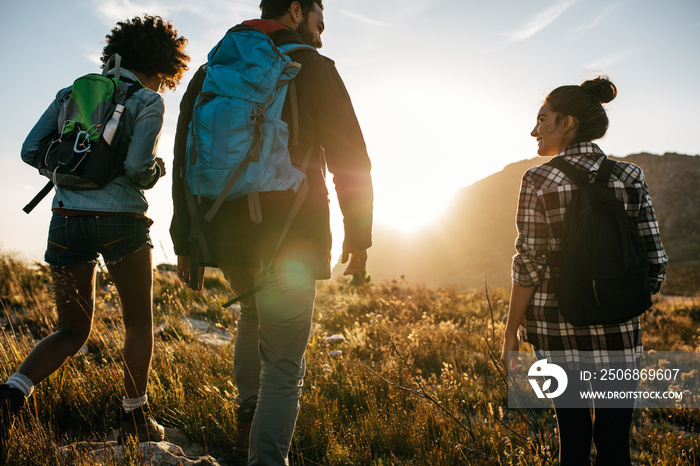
(474, 240)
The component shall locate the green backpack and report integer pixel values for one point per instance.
(86, 151)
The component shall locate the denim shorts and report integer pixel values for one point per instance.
(78, 240)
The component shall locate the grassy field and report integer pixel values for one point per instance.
(397, 375)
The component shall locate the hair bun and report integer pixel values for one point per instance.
(601, 88)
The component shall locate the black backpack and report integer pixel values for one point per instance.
(604, 267)
(86, 150)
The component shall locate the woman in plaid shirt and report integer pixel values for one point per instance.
(570, 118)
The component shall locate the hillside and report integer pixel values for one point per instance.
(474, 240)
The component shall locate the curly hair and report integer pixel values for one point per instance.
(150, 46)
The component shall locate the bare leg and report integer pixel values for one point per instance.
(75, 299)
(133, 277)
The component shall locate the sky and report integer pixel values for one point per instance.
(446, 91)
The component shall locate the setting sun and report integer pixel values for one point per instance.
(438, 145)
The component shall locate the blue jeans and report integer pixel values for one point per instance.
(269, 363)
(78, 240)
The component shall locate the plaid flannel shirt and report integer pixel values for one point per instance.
(544, 194)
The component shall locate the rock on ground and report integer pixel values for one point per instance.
(165, 453)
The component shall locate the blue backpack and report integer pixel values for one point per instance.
(237, 143)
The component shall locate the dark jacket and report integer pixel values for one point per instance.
(328, 125)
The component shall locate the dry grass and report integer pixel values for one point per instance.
(411, 381)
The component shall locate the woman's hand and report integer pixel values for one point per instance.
(510, 343)
(520, 297)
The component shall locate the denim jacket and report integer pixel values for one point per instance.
(143, 123)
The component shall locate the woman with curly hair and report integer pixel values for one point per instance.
(110, 221)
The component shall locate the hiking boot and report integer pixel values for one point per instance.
(12, 401)
(244, 420)
(140, 424)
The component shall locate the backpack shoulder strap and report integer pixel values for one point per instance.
(131, 88)
(604, 171)
(578, 177)
(288, 48)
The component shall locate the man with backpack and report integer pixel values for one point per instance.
(272, 243)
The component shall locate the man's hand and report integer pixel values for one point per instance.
(357, 257)
(184, 266)
(161, 164)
